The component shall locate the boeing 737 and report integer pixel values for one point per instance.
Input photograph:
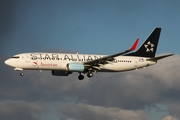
(62, 64)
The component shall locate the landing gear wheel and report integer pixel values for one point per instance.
(21, 74)
(90, 74)
(80, 77)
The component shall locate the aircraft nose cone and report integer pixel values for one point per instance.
(7, 62)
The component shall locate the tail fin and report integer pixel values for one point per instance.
(148, 48)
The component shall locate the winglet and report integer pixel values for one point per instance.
(134, 45)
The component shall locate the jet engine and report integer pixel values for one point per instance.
(75, 67)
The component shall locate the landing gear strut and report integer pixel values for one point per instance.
(80, 77)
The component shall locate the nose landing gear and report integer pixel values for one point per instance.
(21, 73)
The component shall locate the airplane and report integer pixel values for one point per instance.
(64, 64)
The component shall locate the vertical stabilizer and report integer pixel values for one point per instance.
(148, 48)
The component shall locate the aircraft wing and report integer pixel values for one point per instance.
(108, 59)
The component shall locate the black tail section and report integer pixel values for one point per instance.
(148, 48)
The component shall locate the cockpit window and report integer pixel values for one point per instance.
(15, 57)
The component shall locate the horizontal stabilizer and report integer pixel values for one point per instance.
(159, 57)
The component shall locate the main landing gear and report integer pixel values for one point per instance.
(81, 77)
(90, 74)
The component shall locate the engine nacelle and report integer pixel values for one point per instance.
(75, 67)
(60, 73)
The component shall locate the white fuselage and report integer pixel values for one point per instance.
(57, 61)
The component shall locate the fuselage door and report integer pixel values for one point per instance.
(27, 59)
(136, 63)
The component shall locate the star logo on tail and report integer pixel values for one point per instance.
(149, 47)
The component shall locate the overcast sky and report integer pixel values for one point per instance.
(97, 27)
